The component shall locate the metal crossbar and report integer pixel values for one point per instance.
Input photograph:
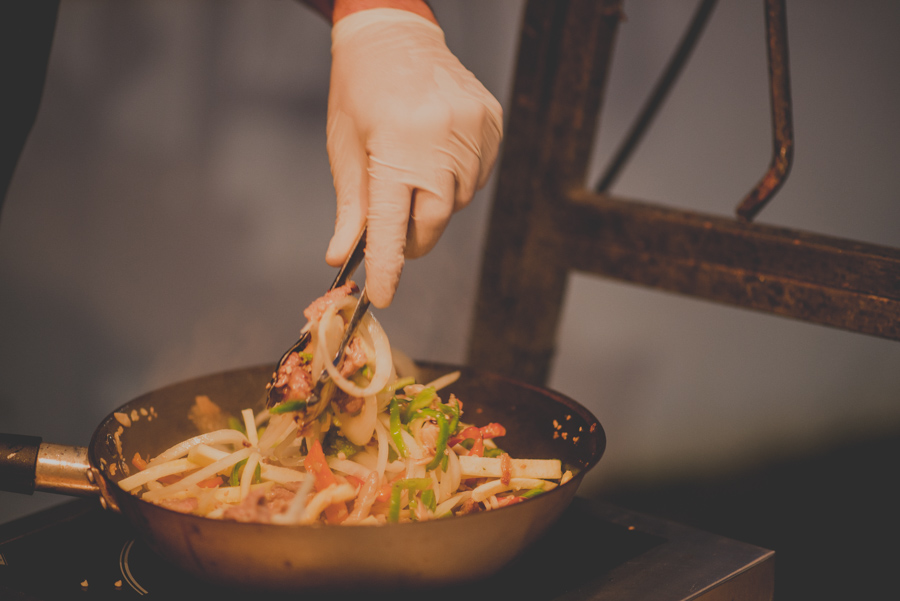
(545, 223)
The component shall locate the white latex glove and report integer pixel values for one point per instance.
(412, 135)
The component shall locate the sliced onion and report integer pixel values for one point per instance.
(382, 348)
(283, 453)
(348, 467)
(250, 426)
(326, 339)
(453, 470)
(436, 484)
(225, 436)
(282, 475)
(148, 474)
(444, 381)
(382, 436)
(202, 474)
(280, 426)
(248, 473)
(452, 502)
(359, 428)
(444, 489)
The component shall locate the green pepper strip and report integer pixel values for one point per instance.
(397, 489)
(398, 384)
(238, 469)
(440, 446)
(236, 424)
(394, 507)
(528, 494)
(429, 500)
(453, 412)
(395, 429)
(420, 401)
(288, 406)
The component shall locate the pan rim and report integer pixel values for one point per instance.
(597, 437)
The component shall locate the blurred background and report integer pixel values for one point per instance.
(171, 210)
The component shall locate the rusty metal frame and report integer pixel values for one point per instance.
(782, 117)
(545, 223)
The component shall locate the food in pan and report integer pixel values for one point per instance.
(386, 449)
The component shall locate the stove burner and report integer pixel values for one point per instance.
(78, 551)
(126, 568)
(149, 574)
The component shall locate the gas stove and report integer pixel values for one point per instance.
(596, 551)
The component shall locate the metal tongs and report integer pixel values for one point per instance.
(323, 388)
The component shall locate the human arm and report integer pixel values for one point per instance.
(334, 11)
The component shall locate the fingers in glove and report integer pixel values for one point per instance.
(491, 135)
(429, 215)
(388, 216)
(349, 167)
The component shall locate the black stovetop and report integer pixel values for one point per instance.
(79, 551)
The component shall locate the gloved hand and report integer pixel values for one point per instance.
(412, 135)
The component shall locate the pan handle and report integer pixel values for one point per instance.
(28, 464)
(18, 461)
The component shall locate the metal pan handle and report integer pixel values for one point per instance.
(28, 464)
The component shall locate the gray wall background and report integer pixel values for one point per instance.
(172, 208)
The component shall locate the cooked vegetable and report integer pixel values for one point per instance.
(238, 470)
(490, 467)
(287, 407)
(386, 449)
(396, 429)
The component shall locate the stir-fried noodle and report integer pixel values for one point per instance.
(386, 449)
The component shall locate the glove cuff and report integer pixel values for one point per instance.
(350, 25)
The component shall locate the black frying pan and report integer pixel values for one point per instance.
(540, 424)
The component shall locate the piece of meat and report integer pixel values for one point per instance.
(252, 509)
(505, 469)
(346, 403)
(292, 380)
(279, 498)
(354, 357)
(318, 307)
(413, 389)
(469, 506)
(188, 505)
(261, 504)
(206, 415)
(511, 500)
